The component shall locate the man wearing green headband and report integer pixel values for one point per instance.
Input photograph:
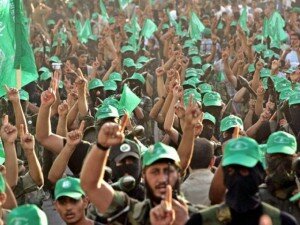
(243, 173)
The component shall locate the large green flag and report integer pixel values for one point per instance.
(124, 3)
(103, 10)
(243, 21)
(148, 29)
(15, 51)
(129, 100)
(196, 27)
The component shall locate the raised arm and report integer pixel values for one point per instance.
(62, 128)
(99, 192)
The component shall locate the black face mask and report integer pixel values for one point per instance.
(207, 132)
(213, 110)
(295, 118)
(242, 194)
(133, 170)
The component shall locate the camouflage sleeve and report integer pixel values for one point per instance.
(25, 185)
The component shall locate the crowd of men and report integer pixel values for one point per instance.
(155, 112)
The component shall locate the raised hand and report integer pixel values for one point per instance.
(193, 114)
(8, 132)
(96, 64)
(159, 71)
(74, 137)
(265, 116)
(48, 98)
(27, 139)
(63, 109)
(12, 94)
(260, 91)
(110, 134)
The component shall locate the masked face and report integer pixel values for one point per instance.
(280, 174)
(213, 110)
(208, 130)
(242, 184)
(295, 118)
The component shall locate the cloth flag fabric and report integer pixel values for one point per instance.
(103, 10)
(148, 29)
(196, 27)
(243, 21)
(129, 100)
(14, 46)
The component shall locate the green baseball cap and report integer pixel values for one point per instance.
(45, 75)
(294, 98)
(165, 26)
(189, 82)
(204, 88)
(193, 50)
(111, 101)
(188, 92)
(110, 85)
(230, 122)
(196, 60)
(285, 94)
(211, 118)
(160, 151)
(206, 66)
(68, 187)
(265, 72)
(212, 99)
(206, 32)
(242, 151)
(139, 77)
(142, 59)
(95, 83)
(54, 59)
(50, 22)
(191, 73)
(291, 70)
(43, 69)
(268, 53)
(23, 95)
(251, 68)
(27, 214)
(281, 142)
(127, 48)
(2, 153)
(128, 62)
(283, 84)
(200, 72)
(106, 111)
(115, 76)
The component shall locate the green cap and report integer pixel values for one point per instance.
(50, 22)
(193, 50)
(212, 99)
(142, 59)
(2, 153)
(206, 32)
(251, 68)
(206, 66)
(27, 214)
(46, 75)
(188, 43)
(196, 60)
(68, 187)
(189, 82)
(188, 92)
(54, 59)
(139, 77)
(204, 88)
(191, 73)
(242, 151)
(128, 62)
(95, 16)
(160, 151)
(265, 72)
(24, 95)
(294, 98)
(127, 48)
(283, 84)
(211, 118)
(234, 23)
(200, 72)
(268, 53)
(165, 26)
(291, 70)
(230, 122)
(43, 69)
(115, 76)
(110, 85)
(95, 83)
(259, 47)
(106, 111)
(111, 101)
(285, 94)
(281, 142)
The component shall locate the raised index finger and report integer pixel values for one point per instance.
(168, 198)
(21, 130)
(81, 127)
(236, 132)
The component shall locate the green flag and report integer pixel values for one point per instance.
(15, 51)
(129, 100)
(124, 3)
(196, 27)
(243, 21)
(103, 10)
(265, 31)
(148, 29)
(86, 31)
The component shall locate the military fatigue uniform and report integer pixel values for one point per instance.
(126, 210)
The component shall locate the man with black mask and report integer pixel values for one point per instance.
(243, 173)
(294, 110)
(209, 122)
(280, 181)
(96, 93)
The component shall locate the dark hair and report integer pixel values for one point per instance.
(74, 60)
(203, 154)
